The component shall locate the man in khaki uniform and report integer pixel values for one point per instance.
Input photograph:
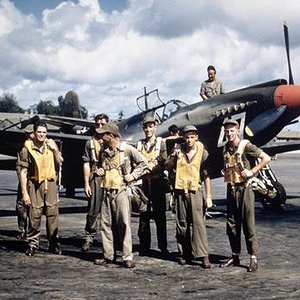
(211, 87)
(92, 182)
(39, 161)
(188, 161)
(154, 150)
(240, 196)
(21, 209)
(121, 165)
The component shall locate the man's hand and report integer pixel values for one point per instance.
(88, 191)
(52, 145)
(208, 203)
(128, 178)
(247, 173)
(100, 171)
(26, 199)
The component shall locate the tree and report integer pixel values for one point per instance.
(69, 106)
(8, 103)
(46, 108)
(84, 112)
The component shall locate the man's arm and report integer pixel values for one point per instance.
(222, 90)
(206, 179)
(57, 155)
(140, 164)
(202, 91)
(264, 160)
(207, 186)
(23, 183)
(87, 169)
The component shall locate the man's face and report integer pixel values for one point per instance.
(149, 129)
(106, 138)
(231, 133)
(174, 133)
(190, 138)
(100, 123)
(40, 134)
(211, 75)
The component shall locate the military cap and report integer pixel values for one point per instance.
(149, 119)
(108, 128)
(231, 122)
(189, 128)
(29, 128)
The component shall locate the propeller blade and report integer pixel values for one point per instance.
(264, 120)
(287, 47)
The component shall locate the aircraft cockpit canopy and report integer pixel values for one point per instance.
(171, 108)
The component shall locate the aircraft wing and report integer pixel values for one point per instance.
(7, 162)
(276, 147)
(70, 121)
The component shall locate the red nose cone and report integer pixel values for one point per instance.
(288, 95)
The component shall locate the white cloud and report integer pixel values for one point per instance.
(108, 58)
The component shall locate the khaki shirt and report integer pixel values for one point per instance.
(160, 159)
(134, 162)
(251, 152)
(211, 89)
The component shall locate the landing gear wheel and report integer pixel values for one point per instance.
(276, 202)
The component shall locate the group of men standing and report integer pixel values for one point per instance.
(114, 169)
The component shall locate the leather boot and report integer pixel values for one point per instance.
(232, 261)
(30, 251)
(103, 262)
(253, 265)
(55, 249)
(129, 264)
(205, 262)
(86, 246)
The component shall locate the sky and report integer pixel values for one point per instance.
(107, 51)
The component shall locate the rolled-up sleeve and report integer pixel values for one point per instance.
(23, 159)
(136, 164)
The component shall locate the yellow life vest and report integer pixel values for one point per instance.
(233, 164)
(44, 168)
(153, 153)
(113, 178)
(95, 149)
(188, 172)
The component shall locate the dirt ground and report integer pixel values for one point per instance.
(73, 275)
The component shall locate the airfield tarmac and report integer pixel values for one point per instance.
(74, 276)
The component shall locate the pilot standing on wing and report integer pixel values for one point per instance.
(240, 196)
(92, 182)
(211, 87)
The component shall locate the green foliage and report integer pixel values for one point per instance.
(84, 112)
(8, 103)
(68, 106)
(71, 105)
(47, 108)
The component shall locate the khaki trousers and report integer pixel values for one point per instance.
(94, 208)
(190, 217)
(241, 213)
(115, 224)
(42, 202)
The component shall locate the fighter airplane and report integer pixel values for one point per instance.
(262, 110)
